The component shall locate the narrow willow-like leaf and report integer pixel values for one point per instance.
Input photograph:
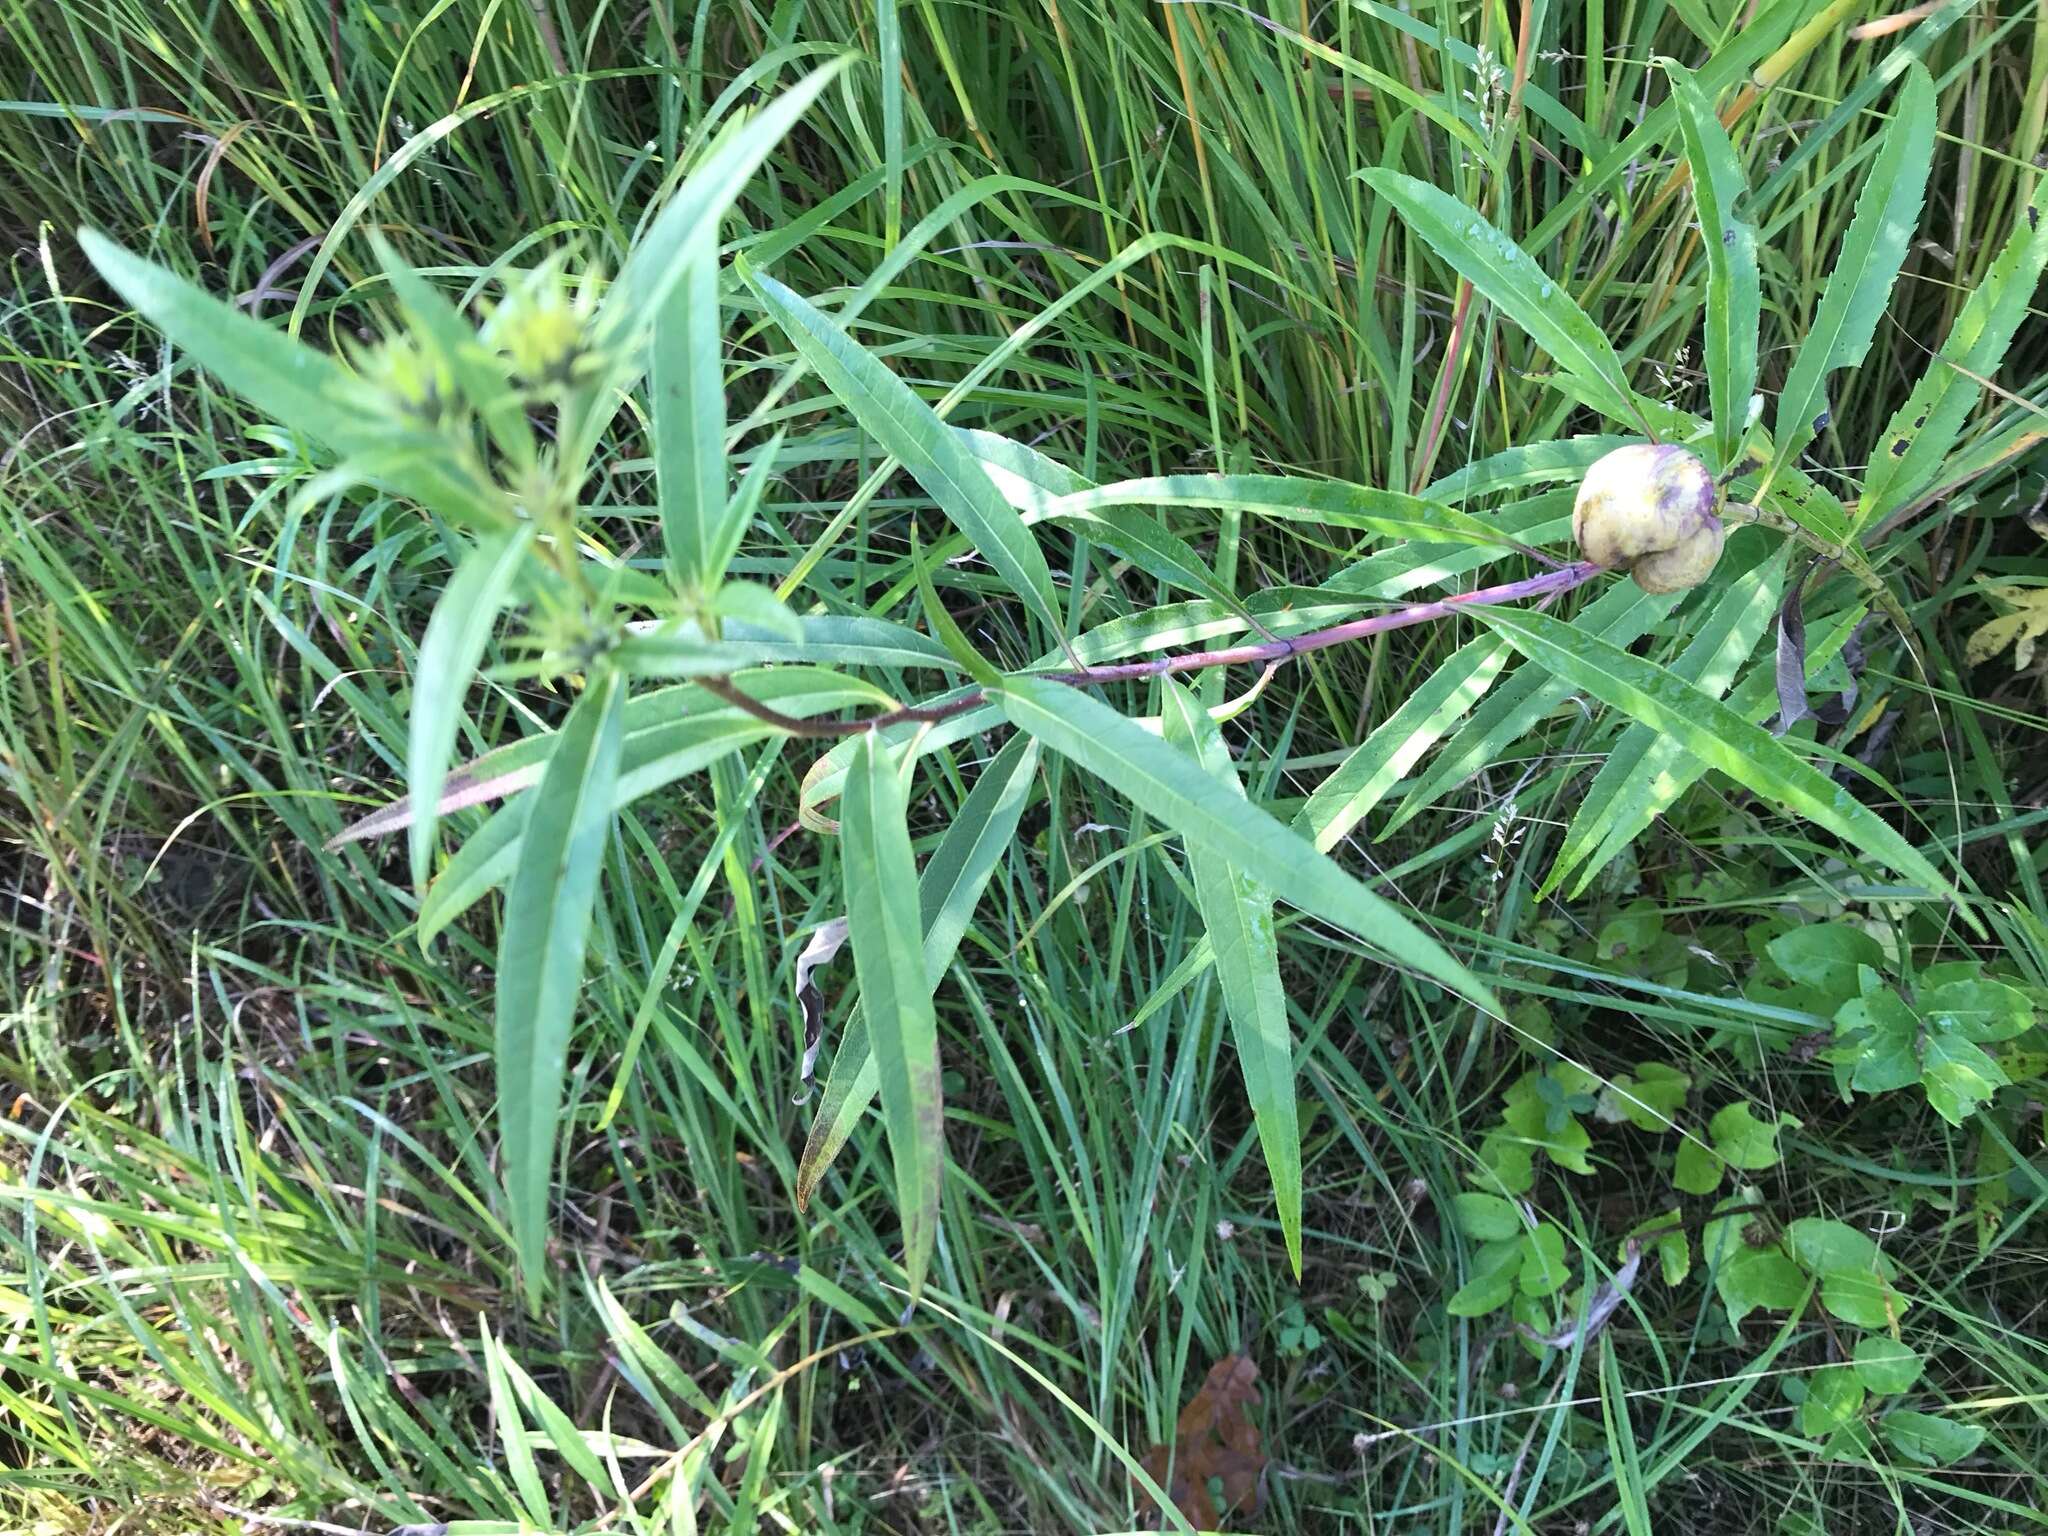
(1390, 514)
(296, 385)
(1509, 279)
(1668, 770)
(655, 753)
(450, 651)
(953, 880)
(890, 411)
(1718, 647)
(888, 958)
(1622, 614)
(540, 956)
(1864, 270)
(1715, 734)
(1397, 743)
(1148, 544)
(1237, 915)
(1908, 457)
(669, 648)
(1734, 290)
(1175, 791)
(651, 273)
(686, 379)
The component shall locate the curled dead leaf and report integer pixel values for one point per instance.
(1214, 1466)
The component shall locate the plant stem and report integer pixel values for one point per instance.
(1271, 653)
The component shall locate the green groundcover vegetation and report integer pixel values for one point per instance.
(971, 766)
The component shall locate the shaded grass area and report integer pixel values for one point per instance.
(255, 1260)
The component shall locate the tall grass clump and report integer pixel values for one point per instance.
(1023, 767)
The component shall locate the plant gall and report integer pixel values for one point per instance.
(1653, 510)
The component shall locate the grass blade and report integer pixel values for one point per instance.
(1715, 734)
(1860, 282)
(888, 958)
(1509, 279)
(540, 957)
(450, 652)
(1237, 914)
(909, 430)
(1172, 788)
(953, 880)
(1734, 290)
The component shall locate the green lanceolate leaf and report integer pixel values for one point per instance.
(1237, 915)
(540, 956)
(637, 298)
(1908, 457)
(1397, 743)
(1172, 788)
(1864, 271)
(449, 654)
(1335, 503)
(1509, 278)
(890, 411)
(888, 957)
(685, 374)
(1734, 291)
(952, 882)
(296, 385)
(1641, 758)
(1714, 733)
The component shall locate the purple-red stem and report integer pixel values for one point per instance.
(1270, 652)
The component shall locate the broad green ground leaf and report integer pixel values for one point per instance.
(1175, 791)
(1509, 278)
(1486, 1218)
(1751, 1270)
(1734, 291)
(888, 958)
(881, 918)
(953, 879)
(891, 412)
(1744, 1141)
(1928, 1439)
(1648, 1098)
(1826, 956)
(1854, 1274)
(1908, 457)
(1958, 1074)
(1715, 734)
(1860, 280)
(1543, 1271)
(449, 653)
(1834, 1396)
(1491, 1281)
(540, 954)
(1886, 1366)
(1237, 915)
(1695, 1170)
